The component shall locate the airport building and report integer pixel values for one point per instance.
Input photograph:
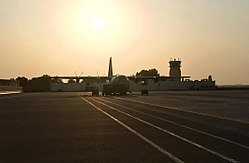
(175, 81)
(9, 85)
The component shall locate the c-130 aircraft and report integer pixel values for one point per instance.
(116, 84)
(120, 84)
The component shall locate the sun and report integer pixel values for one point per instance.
(98, 23)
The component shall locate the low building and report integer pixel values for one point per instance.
(175, 81)
(9, 85)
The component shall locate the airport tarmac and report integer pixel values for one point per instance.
(173, 126)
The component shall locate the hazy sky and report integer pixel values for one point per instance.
(60, 37)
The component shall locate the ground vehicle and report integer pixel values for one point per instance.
(144, 92)
(95, 92)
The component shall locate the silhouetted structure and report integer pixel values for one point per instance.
(9, 85)
(143, 80)
(150, 72)
(37, 84)
(110, 70)
(175, 70)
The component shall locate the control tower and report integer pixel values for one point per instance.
(175, 69)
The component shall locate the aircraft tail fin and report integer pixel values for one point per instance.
(110, 70)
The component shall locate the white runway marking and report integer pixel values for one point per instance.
(190, 128)
(171, 133)
(165, 152)
(9, 92)
(181, 110)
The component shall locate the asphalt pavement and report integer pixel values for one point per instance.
(198, 126)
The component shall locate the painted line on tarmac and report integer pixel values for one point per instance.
(172, 134)
(183, 126)
(9, 92)
(181, 110)
(165, 152)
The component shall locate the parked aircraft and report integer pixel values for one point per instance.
(118, 84)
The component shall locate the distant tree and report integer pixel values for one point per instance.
(150, 72)
(45, 77)
(40, 84)
(23, 81)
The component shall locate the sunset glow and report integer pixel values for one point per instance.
(65, 36)
(98, 23)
